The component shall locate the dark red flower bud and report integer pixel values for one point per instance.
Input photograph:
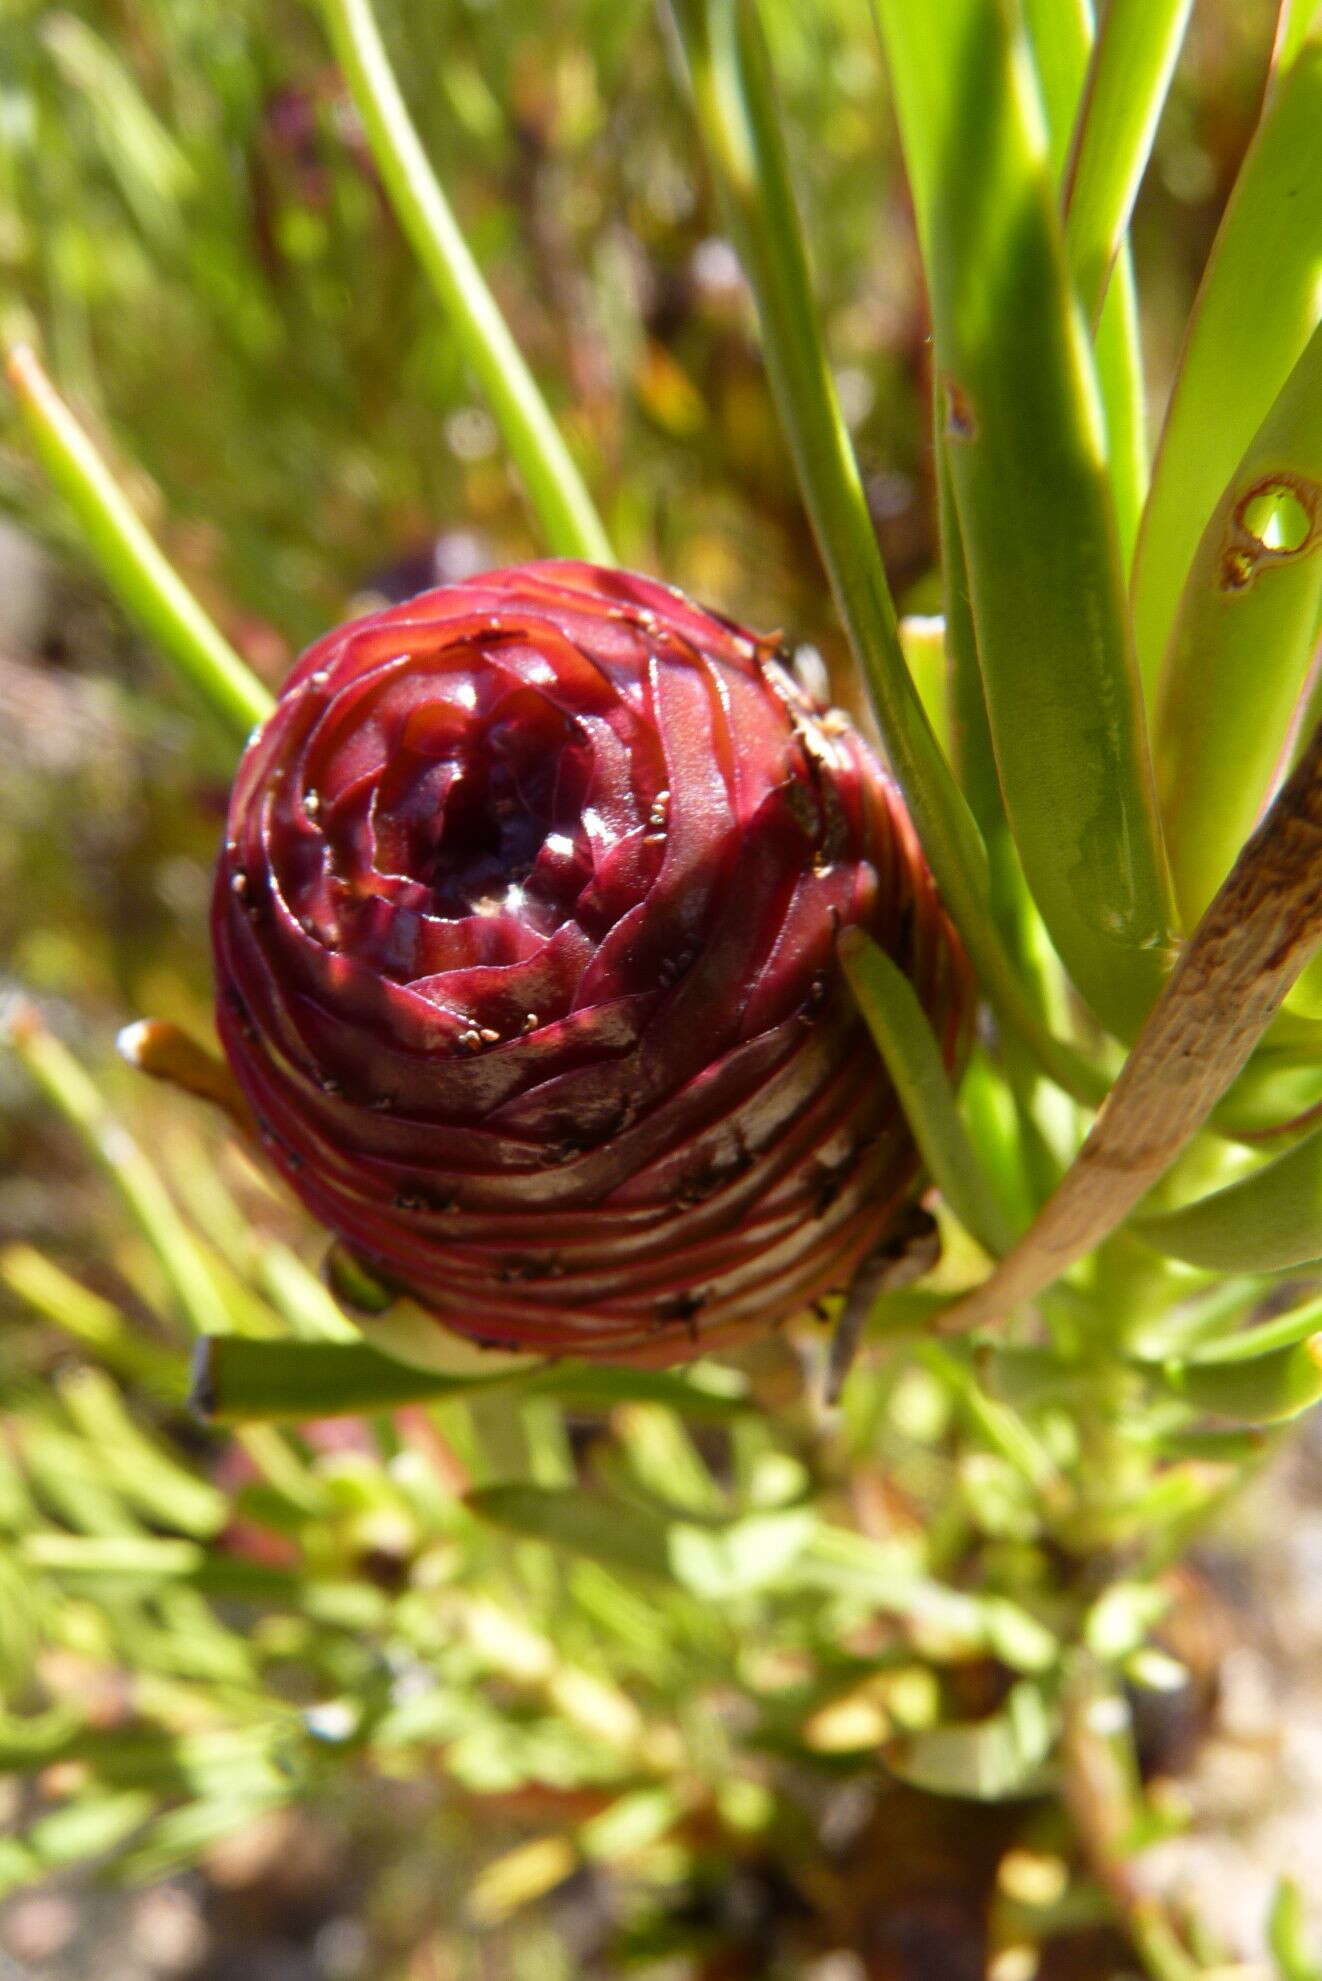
(524, 930)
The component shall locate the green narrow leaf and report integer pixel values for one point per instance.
(31, 1741)
(1243, 641)
(704, 1391)
(1128, 77)
(923, 644)
(112, 1555)
(913, 1059)
(1061, 33)
(1220, 1446)
(1287, 1934)
(1229, 982)
(159, 1489)
(970, 736)
(1022, 1169)
(241, 1380)
(553, 484)
(69, 1089)
(1264, 1388)
(1252, 1343)
(946, 1623)
(88, 1826)
(630, 1823)
(64, 1476)
(1292, 26)
(995, 1423)
(1256, 310)
(181, 1835)
(1023, 432)
(299, 1296)
(581, 1523)
(152, 172)
(89, 1320)
(1123, 1618)
(1266, 1221)
(1119, 354)
(734, 100)
(744, 1555)
(148, 588)
(666, 1461)
(985, 1760)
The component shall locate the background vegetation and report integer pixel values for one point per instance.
(739, 1684)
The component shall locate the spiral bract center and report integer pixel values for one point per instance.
(509, 840)
(485, 814)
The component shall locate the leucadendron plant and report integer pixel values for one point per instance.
(611, 1006)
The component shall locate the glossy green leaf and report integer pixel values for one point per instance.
(301, 1298)
(1278, 1090)
(913, 1060)
(146, 585)
(554, 486)
(240, 1380)
(1263, 1222)
(1024, 436)
(1128, 77)
(1243, 642)
(734, 100)
(1256, 310)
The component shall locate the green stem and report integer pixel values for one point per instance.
(553, 484)
(734, 100)
(134, 568)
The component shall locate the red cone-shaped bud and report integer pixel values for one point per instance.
(524, 930)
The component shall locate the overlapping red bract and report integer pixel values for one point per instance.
(524, 935)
